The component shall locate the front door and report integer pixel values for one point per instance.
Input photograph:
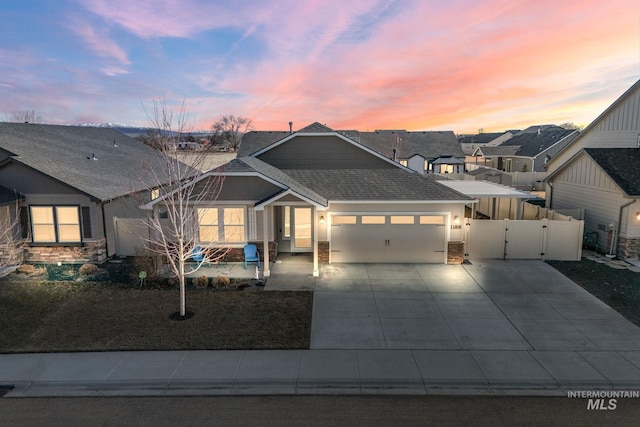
(302, 226)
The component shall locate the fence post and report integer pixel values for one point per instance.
(543, 240)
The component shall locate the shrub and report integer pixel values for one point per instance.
(201, 282)
(221, 282)
(27, 269)
(88, 269)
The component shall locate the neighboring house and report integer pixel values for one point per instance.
(527, 151)
(73, 181)
(321, 192)
(421, 151)
(468, 143)
(617, 127)
(602, 181)
(606, 183)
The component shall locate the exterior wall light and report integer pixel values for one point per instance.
(322, 219)
(638, 216)
(456, 220)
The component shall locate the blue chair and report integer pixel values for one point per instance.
(199, 255)
(251, 255)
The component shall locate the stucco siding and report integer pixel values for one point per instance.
(321, 152)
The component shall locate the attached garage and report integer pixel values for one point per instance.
(388, 237)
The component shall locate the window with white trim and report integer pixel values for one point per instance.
(221, 225)
(55, 224)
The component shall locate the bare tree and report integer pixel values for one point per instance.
(179, 188)
(11, 242)
(228, 131)
(571, 126)
(27, 116)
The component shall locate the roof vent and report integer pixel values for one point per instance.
(290, 128)
(115, 145)
(92, 157)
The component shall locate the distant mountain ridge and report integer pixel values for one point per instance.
(132, 131)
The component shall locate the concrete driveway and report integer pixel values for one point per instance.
(488, 305)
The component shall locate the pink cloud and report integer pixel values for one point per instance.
(430, 67)
(99, 42)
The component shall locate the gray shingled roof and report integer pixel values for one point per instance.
(257, 140)
(248, 164)
(428, 144)
(532, 144)
(499, 150)
(373, 184)
(622, 165)
(283, 178)
(481, 138)
(65, 153)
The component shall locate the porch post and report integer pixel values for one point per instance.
(316, 225)
(266, 272)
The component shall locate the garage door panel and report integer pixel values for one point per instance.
(408, 243)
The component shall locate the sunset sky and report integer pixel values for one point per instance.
(458, 65)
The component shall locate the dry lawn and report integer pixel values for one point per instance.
(67, 316)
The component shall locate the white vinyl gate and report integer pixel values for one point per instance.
(535, 239)
(130, 233)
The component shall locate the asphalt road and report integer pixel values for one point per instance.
(312, 411)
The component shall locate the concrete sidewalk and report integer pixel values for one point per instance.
(416, 372)
(493, 327)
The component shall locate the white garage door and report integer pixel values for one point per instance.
(389, 238)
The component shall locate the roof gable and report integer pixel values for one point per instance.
(631, 94)
(621, 165)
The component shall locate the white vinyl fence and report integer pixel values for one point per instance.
(544, 239)
(130, 235)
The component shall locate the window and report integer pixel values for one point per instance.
(431, 219)
(208, 222)
(404, 163)
(233, 225)
(155, 193)
(55, 224)
(402, 219)
(370, 219)
(343, 219)
(221, 225)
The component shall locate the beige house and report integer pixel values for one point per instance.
(599, 172)
(318, 191)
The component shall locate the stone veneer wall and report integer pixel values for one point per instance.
(629, 248)
(237, 254)
(455, 253)
(323, 252)
(92, 251)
